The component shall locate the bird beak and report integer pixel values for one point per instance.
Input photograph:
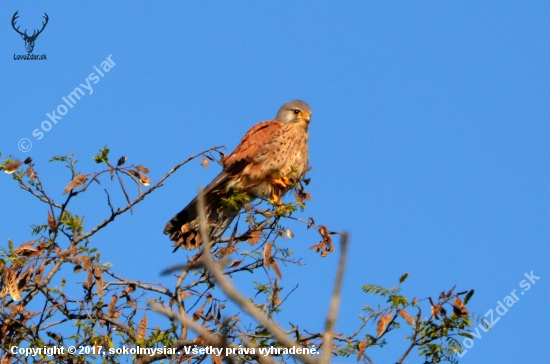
(306, 117)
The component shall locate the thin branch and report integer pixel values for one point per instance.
(334, 302)
(227, 287)
(139, 198)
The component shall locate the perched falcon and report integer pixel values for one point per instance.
(270, 158)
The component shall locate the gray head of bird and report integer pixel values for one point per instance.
(294, 111)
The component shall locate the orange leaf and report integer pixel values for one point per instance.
(77, 181)
(435, 310)
(276, 269)
(112, 306)
(142, 328)
(362, 347)
(146, 181)
(255, 237)
(235, 263)
(267, 255)
(383, 323)
(12, 167)
(51, 222)
(10, 280)
(204, 162)
(142, 169)
(408, 318)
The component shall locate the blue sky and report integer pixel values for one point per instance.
(429, 137)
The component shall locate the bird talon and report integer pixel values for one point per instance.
(283, 181)
(275, 200)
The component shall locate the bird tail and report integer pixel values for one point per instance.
(183, 228)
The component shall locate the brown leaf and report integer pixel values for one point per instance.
(112, 172)
(51, 222)
(225, 251)
(276, 269)
(98, 274)
(267, 255)
(383, 323)
(362, 346)
(185, 295)
(435, 310)
(121, 160)
(112, 306)
(39, 272)
(31, 173)
(89, 279)
(12, 167)
(415, 301)
(77, 181)
(27, 250)
(10, 280)
(142, 333)
(235, 263)
(142, 169)
(198, 314)
(459, 309)
(86, 262)
(289, 233)
(255, 237)
(408, 318)
(146, 181)
(216, 359)
(299, 198)
(209, 297)
(276, 297)
(204, 162)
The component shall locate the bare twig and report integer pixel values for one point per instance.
(228, 288)
(139, 198)
(334, 302)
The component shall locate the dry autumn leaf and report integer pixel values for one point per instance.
(10, 280)
(204, 162)
(77, 181)
(121, 160)
(112, 306)
(235, 263)
(435, 310)
(198, 314)
(408, 318)
(383, 323)
(146, 181)
(31, 173)
(276, 269)
(289, 233)
(255, 237)
(141, 332)
(267, 255)
(51, 222)
(12, 167)
(142, 169)
(362, 346)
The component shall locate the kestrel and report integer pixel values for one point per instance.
(271, 157)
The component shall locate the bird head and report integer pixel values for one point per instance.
(294, 112)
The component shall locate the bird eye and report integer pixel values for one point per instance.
(296, 111)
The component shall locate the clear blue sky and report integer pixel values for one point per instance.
(430, 137)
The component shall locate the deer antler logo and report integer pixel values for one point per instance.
(29, 39)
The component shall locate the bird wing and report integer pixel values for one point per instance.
(254, 146)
